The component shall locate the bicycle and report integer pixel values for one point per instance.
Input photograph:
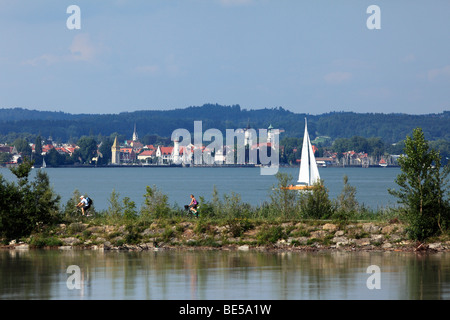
(190, 212)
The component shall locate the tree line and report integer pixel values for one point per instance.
(375, 134)
(390, 128)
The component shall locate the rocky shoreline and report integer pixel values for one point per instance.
(237, 235)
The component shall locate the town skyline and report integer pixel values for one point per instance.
(133, 152)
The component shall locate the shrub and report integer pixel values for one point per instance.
(156, 203)
(316, 204)
(27, 204)
(347, 206)
(42, 241)
(423, 188)
(284, 201)
(271, 234)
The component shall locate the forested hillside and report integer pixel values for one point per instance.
(390, 128)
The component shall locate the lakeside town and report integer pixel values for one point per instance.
(133, 152)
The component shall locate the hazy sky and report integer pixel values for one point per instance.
(312, 56)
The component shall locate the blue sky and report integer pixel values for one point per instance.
(306, 56)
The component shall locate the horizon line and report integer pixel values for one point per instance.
(219, 105)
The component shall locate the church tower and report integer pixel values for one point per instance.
(115, 151)
(270, 133)
(135, 135)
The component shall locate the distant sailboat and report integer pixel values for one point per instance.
(44, 165)
(309, 173)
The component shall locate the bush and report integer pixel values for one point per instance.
(238, 226)
(28, 204)
(42, 241)
(316, 204)
(156, 203)
(347, 207)
(284, 202)
(271, 234)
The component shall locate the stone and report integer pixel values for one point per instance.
(362, 242)
(386, 245)
(300, 240)
(388, 229)
(71, 240)
(371, 228)
(377, 238)
(435, 246)
(343, 240)
(330, 227)
(147, 232)
(244, 248)
(318, 234)
(96, 229)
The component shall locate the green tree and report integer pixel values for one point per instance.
(115, 208)
(156, 203)
(87, 150)
(38, 150)
(54, 159)
(315, 204)
(284, 201)
(423, 188)
(105, 151)
(26, 205)
(5, 157)
(346, 204)
(23, 147)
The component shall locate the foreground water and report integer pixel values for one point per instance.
(223, 275)
(178, 183)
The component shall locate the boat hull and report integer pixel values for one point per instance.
(298, 187)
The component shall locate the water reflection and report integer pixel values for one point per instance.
(199, 275)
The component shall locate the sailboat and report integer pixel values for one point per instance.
(44, 165)
(309, 172)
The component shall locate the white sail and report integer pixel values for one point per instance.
(314, 171)
(303, 176)
(309, 173)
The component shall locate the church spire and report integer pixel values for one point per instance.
(135, 135)
(115, 152)
(115, 144)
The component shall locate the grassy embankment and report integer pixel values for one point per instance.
(289, 220)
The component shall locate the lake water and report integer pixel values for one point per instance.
(218, 275)
(222, 275)
(178, 183)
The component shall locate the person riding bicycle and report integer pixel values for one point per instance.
(193, 205)
(84, 204)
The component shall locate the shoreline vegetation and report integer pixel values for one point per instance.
(236, 234)
(31, 216)
(288, 222)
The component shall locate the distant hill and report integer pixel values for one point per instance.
(62, 126)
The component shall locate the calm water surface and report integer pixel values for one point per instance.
(178, 183)
(42, 274)
(216, 275)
